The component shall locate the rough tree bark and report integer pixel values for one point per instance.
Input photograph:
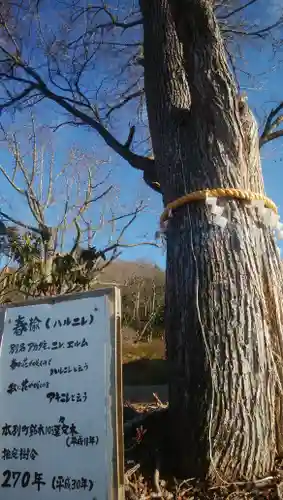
(224, 305)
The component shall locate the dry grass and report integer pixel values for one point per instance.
(137, 488)
(143, 350)
(140, 487)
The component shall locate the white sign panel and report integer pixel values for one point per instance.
(58, 399)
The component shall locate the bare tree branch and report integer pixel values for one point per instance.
(118, 24)
(70, 57)
(125, 101)
(130, 139)
(261, 33)
(272, 136)
(82, 110)
(273, 121)
(136, 161)
(11, 182)
(19, 223)
(237, 10)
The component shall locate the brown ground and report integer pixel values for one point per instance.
(145, 365)
(143, 350)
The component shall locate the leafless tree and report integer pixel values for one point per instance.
(143, 301)
(224, 303)
(41, 260)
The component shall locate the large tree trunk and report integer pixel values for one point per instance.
(223, 298)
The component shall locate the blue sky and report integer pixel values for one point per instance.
(264, 91)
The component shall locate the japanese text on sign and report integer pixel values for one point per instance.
(54, 387)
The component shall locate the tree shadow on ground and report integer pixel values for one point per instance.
(146, 372)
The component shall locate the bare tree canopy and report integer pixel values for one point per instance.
(75, 64)
(55, 246)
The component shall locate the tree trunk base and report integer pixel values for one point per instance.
(158, 469)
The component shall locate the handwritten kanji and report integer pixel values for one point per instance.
(20, 326)
(27, 363)
(56, 430)
(34, 324)
(67, 483)
(19, 454)
(26, 385)
(79, 440)
(38, 480)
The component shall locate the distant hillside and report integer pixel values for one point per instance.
(121, 271)
(142, 287)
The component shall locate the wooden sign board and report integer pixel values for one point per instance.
(61, 398)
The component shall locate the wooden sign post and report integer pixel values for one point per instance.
(61, 398)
